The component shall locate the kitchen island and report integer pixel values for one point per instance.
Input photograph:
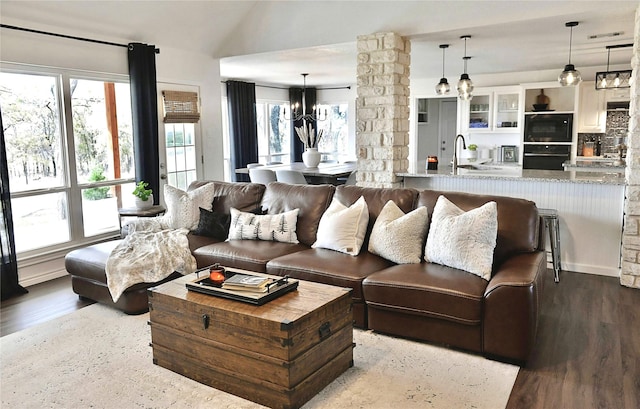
(590, 206)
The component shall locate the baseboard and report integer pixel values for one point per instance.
(589, 269)
(41, 272)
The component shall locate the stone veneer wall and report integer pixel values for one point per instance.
(382, 120)
(630, 274)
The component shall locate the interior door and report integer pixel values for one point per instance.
(447, 130)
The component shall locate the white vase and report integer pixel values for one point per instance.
(311, 157)
(144, 204)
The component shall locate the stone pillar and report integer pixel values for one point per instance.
(630, 274)
(382, 120)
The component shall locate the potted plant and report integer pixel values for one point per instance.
(472, 152)
(144, 196)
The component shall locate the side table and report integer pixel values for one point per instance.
(152, 211)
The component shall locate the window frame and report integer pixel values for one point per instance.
(269, 157)
(70, 185)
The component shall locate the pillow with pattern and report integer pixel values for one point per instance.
(271, 227)
(183, 208)
(464, 240)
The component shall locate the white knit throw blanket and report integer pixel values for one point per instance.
(149, 253)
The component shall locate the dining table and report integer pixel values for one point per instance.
(333, 173)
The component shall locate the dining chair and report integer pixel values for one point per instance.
(292, 177)
(253, 165)
(263, 176)
(351, 180)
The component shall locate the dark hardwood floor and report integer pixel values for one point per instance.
(587, 353)
(42, 303)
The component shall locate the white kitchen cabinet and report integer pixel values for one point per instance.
(492, 110)
(592, 111)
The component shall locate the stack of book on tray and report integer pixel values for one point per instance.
(246, 282)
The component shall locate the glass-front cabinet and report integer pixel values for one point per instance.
(495, 110)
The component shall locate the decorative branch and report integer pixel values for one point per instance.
(308, 136)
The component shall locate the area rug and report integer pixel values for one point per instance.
(98, 357)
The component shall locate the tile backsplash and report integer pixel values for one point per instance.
(617, 130)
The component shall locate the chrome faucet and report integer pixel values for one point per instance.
(455, 151)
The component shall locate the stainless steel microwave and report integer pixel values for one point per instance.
(548, 128)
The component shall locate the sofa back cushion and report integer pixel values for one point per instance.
(242, 196)
(312, 200)
(518, 220)
(376, 198)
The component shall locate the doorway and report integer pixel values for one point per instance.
(436, 130)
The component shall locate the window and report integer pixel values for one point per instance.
(335, 132)
(70, 153)
(181, 154)
(274, 135)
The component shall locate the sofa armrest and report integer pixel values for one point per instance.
(511, 306)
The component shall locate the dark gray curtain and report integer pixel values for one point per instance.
(295, 96)
(144, 107)
(9, 279)
(243, 128)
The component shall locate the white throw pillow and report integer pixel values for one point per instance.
(183, 208)
(271, 227)
(464, 240)
(397, 236)
(343, 228)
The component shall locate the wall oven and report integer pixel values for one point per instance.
(547, 157)
(548, 128)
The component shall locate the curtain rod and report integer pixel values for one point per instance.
(30, 30)
(274, 87)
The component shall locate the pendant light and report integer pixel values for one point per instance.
(465, 86)
(613, 79)
(570, 76)
(443, 86)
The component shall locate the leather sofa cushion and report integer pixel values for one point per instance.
(518, 220)
(428, 289)
(242, 196)
(196, 241)
(89, 262)
(376, 198)
(250, 255)
(329, 267)
(312, 200)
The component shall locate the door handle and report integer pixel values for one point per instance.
(163, 176)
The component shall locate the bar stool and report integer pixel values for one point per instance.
(550, 217)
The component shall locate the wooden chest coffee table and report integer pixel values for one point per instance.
(279, 354)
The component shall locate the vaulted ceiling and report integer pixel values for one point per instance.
(274, 41)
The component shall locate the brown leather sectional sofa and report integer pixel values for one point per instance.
(423, 301)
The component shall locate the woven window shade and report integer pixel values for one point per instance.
(180, 107)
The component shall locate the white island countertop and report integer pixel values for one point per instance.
(515, 172)
(590, 205)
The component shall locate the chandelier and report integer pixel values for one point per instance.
(297, 115)
(613, 79)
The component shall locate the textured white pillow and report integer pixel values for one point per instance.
(183, 208)
(399, 237)
(342, 228)
(464, 240)
(271, 227)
